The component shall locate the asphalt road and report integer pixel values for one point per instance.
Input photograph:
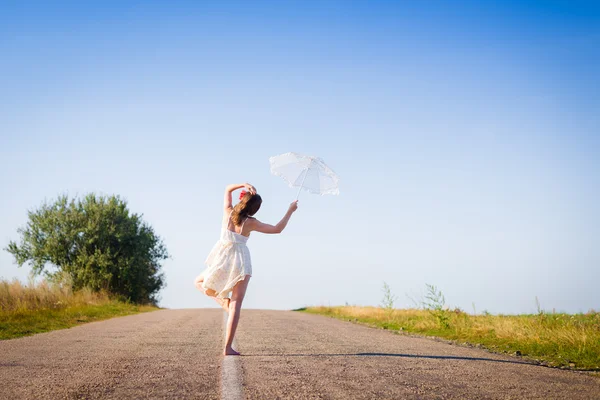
(177, 354)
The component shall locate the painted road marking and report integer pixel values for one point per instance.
(231, 372)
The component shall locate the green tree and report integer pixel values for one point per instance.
(98, 243)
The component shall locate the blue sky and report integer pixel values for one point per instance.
(466, 137)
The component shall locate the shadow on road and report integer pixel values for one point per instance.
(389, 355)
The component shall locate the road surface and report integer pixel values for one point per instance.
(177, 354)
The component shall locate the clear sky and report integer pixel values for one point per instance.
(466, 136)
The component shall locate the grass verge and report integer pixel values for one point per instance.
(558, 340)
(36, 308)
(27, 323)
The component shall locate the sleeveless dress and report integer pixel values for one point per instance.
(228, 262)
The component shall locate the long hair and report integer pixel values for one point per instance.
(247, 207)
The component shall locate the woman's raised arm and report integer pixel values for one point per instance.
(267, 228)
(235, 186)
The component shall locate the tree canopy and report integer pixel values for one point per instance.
(98, 243)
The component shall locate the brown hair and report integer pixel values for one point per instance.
(247, 207)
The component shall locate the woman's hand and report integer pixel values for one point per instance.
(266, 228)
(293, 206)
(230, 188)
(250, 188)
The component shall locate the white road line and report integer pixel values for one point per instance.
(231, 372)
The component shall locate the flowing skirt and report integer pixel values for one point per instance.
(227, 264)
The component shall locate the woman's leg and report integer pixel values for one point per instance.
(235, 307)
(198, 283)
(222, 302)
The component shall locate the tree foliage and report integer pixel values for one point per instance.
(98, 243)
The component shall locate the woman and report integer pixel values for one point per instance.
(229, 266)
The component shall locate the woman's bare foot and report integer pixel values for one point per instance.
(223, 302)
(230, 352)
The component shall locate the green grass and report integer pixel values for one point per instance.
(555, 339)
(44, 306)
(29, 322)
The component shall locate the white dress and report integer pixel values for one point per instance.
(227, 263)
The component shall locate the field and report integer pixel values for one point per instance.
(554, 339)
(42, 307)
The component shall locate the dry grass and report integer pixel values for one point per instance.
(42, 307)
(562, 340)
(17, 297)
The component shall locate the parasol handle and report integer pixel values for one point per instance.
(302, 184)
